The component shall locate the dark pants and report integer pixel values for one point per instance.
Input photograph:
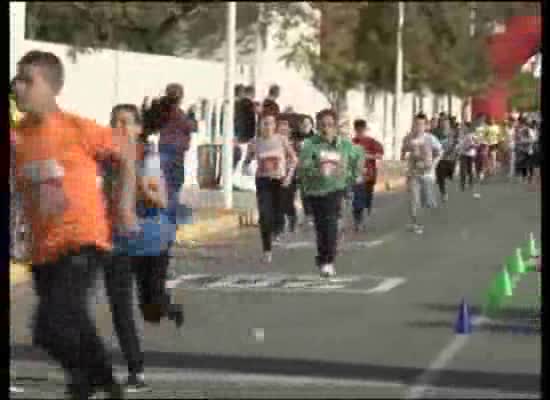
(525, 166)
(466, 171)
(362, 199)
(63, 325)
(289, 207)
(444, 170)
(326, 210)
(306, 204)
(151, 273)
(119, 283)
(270, 207)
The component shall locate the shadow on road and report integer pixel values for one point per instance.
(524, 328)
(316, 369)
(504, 313)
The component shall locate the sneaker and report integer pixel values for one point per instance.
(327, 271)
(419, 229)
(16, 389)
(136, 384)
(445, 198)
(411, 227)
(277, 238)
(267, 258)
(477, 195)
(175, 313)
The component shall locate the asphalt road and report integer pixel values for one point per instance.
(280, 331)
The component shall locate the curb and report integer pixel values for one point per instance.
(204, 230)
(19, 273)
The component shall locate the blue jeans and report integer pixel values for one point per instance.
(362, 198)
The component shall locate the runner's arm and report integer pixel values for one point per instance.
(102, 142)
(292, 159)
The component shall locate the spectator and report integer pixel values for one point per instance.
(270, 105)
(245, 116)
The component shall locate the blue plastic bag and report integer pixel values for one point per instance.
(156, 235)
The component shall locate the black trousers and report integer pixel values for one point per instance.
(525, 166)
(63, 326)
(289, 203)
(326, 211)
(119, 283)
(466, 171)
(362, 199)
(151, 273)
(269, 196)
(444, 170)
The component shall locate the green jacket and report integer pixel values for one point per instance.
(325, 168)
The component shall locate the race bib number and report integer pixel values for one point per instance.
(46, 182)
(331, 163)
(269, 165)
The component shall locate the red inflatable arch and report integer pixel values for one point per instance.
(508, 51)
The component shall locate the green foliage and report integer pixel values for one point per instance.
(195, 29)
(524, 93)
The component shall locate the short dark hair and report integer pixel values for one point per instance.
(327, 112)
(250, 89)
(308, 117)
(50, 64)
(274, 89)
(359, 124)
(421, 115)
(174, 91)
(131, 108)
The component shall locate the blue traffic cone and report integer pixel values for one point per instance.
(463, 324)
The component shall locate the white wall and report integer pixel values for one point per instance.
(98, 81)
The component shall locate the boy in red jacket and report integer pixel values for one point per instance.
(363, 192)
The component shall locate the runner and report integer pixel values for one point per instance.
(276, 164)
(119, 278)
(304, 132)
(525, 150)
(56, 171)
(467, 149)
(363, 192)
(288, 193)
(328, 163)
(423, 151)
(493, 134)
(482, 152)
(445, 168)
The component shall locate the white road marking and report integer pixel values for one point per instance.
(445, 356)
(193, 376)
(289, 283)
(387, 285)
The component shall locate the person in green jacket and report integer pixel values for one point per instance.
(328, 165)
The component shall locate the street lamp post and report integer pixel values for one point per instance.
(398, 77)
(227, 158)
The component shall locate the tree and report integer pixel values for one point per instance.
(193, 29)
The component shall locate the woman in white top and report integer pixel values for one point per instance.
(276, 165)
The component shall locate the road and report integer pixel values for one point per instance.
(384, 328)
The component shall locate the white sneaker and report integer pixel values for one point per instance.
(411, 227)
(477, 195)
(327, 270)
(16, 389)
(267, 258)
(445, 198)
(419, 229)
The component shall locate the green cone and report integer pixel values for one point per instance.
(532, 250)
(503, 285)
(515, 265)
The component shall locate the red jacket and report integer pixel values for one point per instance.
(372, 148)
